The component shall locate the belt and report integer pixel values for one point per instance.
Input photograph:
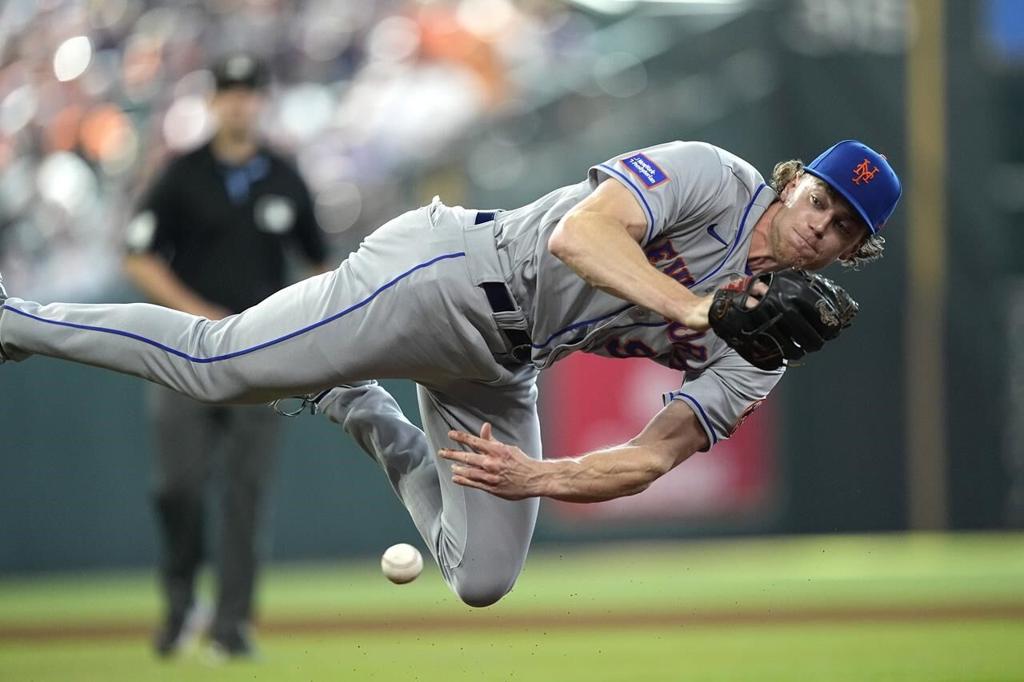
(501, 302)
(518, 339)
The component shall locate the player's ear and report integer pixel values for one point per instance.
(790, 187)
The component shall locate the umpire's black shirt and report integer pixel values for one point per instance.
(223, 229)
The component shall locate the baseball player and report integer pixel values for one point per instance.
(637, 260)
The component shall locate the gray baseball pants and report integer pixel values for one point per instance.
(407, 304)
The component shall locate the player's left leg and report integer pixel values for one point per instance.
(478, 540)
(484, 539)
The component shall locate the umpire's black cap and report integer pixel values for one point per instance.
(240, 70)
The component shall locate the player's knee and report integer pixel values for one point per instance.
(480, 596)
(480, 589)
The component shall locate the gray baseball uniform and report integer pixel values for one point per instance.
(409, 304)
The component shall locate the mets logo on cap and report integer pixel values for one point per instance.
(863, 177)
(864, 172)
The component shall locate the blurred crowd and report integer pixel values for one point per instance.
(94, 94)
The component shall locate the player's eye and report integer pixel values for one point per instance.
(816, 201)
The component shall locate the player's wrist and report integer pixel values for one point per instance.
(695, 313)
(549, 478)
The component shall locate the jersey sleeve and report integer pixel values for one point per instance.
(155, 226)
(725, 393)
(672, 181)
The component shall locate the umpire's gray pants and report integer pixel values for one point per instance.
(407, 304)
(190, 439)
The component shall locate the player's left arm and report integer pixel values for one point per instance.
(504, 470)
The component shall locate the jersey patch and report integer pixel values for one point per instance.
(645, 169)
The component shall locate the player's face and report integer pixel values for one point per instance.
(814, 227)
(237, 110)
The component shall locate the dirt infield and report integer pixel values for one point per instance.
(62, 632)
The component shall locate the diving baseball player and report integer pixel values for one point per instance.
(638, 260)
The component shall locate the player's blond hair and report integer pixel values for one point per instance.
(871, 249)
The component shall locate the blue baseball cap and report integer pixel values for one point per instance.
(863, 177)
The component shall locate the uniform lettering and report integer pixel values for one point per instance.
(685, 346)
(618, 348)
(663, 255)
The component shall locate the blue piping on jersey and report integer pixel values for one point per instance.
(717, 237)
(286, 337)
(583, 323)
(703, 415)
(663, 323)
(650, 213)
(736, 242)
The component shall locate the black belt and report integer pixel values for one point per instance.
(501, 302)
(518, 339)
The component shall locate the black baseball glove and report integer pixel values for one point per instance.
(798, 313)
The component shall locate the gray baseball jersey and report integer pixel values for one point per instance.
(701, 204)
(409, 303)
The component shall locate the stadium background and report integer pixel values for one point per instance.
(913, 422)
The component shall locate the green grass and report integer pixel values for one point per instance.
(692, 582)
(901, 653)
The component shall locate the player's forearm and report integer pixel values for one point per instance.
(604, 474)
(597, 249)
(161, 286)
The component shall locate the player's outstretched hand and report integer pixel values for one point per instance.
(500, 469)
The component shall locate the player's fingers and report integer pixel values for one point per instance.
(485, 431)
(475, 474)
(468, 458)
(475, 442)
(470, 483)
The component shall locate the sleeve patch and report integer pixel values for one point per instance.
(645, 170)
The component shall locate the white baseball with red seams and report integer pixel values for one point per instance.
(401, 563)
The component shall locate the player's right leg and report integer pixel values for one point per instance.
(401, 306)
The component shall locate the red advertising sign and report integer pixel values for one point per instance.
(590, 402)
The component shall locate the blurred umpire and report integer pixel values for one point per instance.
(209, 239)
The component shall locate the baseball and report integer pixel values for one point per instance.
(401, 563)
